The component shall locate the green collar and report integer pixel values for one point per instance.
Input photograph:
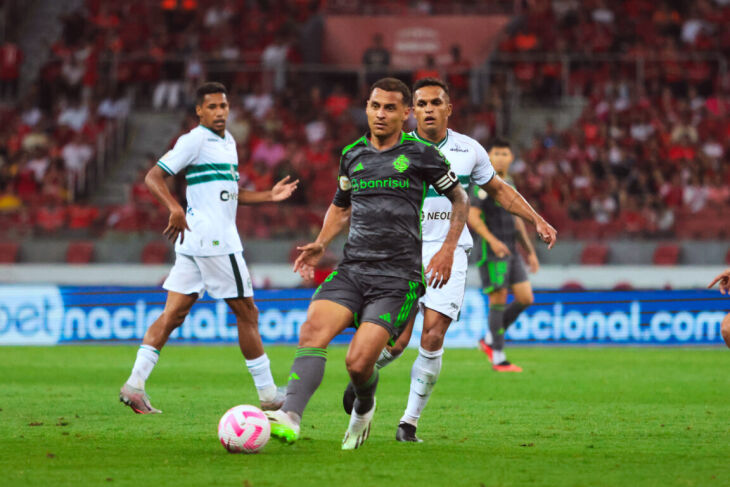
(212, 131)
(438, 145)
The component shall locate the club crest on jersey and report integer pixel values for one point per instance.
(401, 163)
(345, 184)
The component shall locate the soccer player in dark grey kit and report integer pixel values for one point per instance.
(383, 180)
(500, 266)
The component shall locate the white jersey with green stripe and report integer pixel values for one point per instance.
(470, 162)
(211, 172)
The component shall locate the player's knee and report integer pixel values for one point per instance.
(527, 300)
(397, 348)
(359, 368)
(311, 333)
(173, 318)
(432, 339)
(725, 329)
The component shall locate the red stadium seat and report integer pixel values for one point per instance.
(594, 254)
(9, 252)
(80, 252)
(155, 253)
(666, 254)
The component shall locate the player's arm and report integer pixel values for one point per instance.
(279, 192)
(439, 267)
(532, 261)
(476, 223)
(155, 181)
(335, 221)
(512, 201)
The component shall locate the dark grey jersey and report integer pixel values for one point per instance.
(498, 220)
(386, 190)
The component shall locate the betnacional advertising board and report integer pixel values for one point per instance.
(51, 315)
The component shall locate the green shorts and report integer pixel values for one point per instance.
(502, 273)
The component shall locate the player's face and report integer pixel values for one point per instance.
(432, 109)
(213, 112)
(386, 112)
(501, 158)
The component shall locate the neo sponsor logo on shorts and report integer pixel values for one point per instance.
(391, 183)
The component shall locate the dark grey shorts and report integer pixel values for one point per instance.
(498, 274)
(386, 301)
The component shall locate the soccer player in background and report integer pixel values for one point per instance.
(442, 305)
(500, 266)
(724, 280)
(208, 254)
(383, 180)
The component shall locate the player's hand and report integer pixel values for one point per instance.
(724, 280)
(308, 259)
(499, 248)
(283, 189)
(439, 268)
(176, 225)
(533, 263)
(546, 233)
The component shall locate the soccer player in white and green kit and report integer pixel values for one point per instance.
(209, 254)
(442, 305)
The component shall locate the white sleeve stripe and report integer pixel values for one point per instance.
(448, 184)
(443, 179)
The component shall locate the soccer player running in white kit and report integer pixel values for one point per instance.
(208, 254)
(441, 305)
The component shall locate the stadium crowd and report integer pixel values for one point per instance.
(645, 158)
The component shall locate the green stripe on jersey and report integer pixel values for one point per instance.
(198, 168)
(206, 178)
(165, 168)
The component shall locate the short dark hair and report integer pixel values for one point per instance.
(208, 89)
(393, 84)
(431, 82)
(500, 142)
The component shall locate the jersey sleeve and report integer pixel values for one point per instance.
(183, 154)
(344, 187)
(483, 171)
(438, 171)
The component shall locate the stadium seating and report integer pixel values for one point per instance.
(9, 252)
(155, 253)
(80, 252)
(666, 254)
(594, 254)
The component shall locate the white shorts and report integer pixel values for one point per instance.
(446, 300)
(223, 276)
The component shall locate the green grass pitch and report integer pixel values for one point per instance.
(575, 417)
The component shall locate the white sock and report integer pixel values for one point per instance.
(488, 338)
(147, 357)
(385, 358)
(424, 374)
(498, 356)
(263, 380)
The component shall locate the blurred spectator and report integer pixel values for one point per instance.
(11, 57)
(74, 115)
(429, 70)
(376, 60)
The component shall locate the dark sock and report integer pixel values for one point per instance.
(512, 312)
(496, 318)
(305, 377)
(365, 394)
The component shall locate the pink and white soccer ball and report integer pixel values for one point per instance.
(244, 429)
